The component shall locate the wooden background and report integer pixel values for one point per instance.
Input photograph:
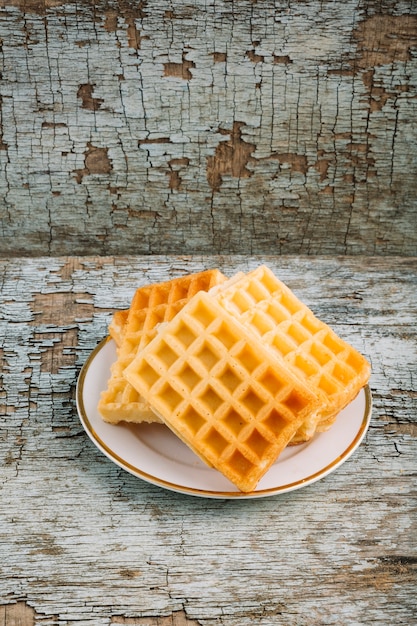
(201, 126)
(137, 140)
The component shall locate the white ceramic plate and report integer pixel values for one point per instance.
(152, 452)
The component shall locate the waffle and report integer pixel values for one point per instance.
(332, 368)
(117, 326)
(151, 306)
(221, 390)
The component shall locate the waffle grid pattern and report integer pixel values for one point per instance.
(151, 306)
(222, 393)
(316, 354)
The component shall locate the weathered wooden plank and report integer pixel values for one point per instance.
(83, 542)
(201, 127)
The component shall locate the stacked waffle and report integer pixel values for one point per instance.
(132, 330)
(238, 370)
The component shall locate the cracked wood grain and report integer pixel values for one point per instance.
(294, 124)
(84, 543)
(178, 618)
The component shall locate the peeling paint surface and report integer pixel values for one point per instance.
(294, 123)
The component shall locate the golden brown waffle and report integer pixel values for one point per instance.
(151, 306)
(331, 367)
(117, 326)
(224, 393)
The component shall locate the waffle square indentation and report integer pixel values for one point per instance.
(270, 283)
(277, 313)
(311, 324)
(240, 464)
(271, 382)
(290, 303)
(185, 335)
(252, 402)
(156, 316)
(248, 358)
(297, 333)
(234, 422)
(137, 320)
(282, 345)
(211, 399)
(342, 373)
(226, 336)
(275, 421)
(203, 315)
(189, 377)
(208, 357)
(141, 300)
(307, 366)
(166, 354)
(170, 397)
(230, 380)
(334, 344)
(295, 402)
(181, 292)
(257, 291)
(147, 374)
(257, 443)
(241, 301)
(215, 441)
(193, 420)
(262, 323)
(327, 385)
(158, 296)
(320, 353)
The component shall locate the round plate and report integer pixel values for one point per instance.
(152, 452)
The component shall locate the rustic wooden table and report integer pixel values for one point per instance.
(257, 126)
(82, 542)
